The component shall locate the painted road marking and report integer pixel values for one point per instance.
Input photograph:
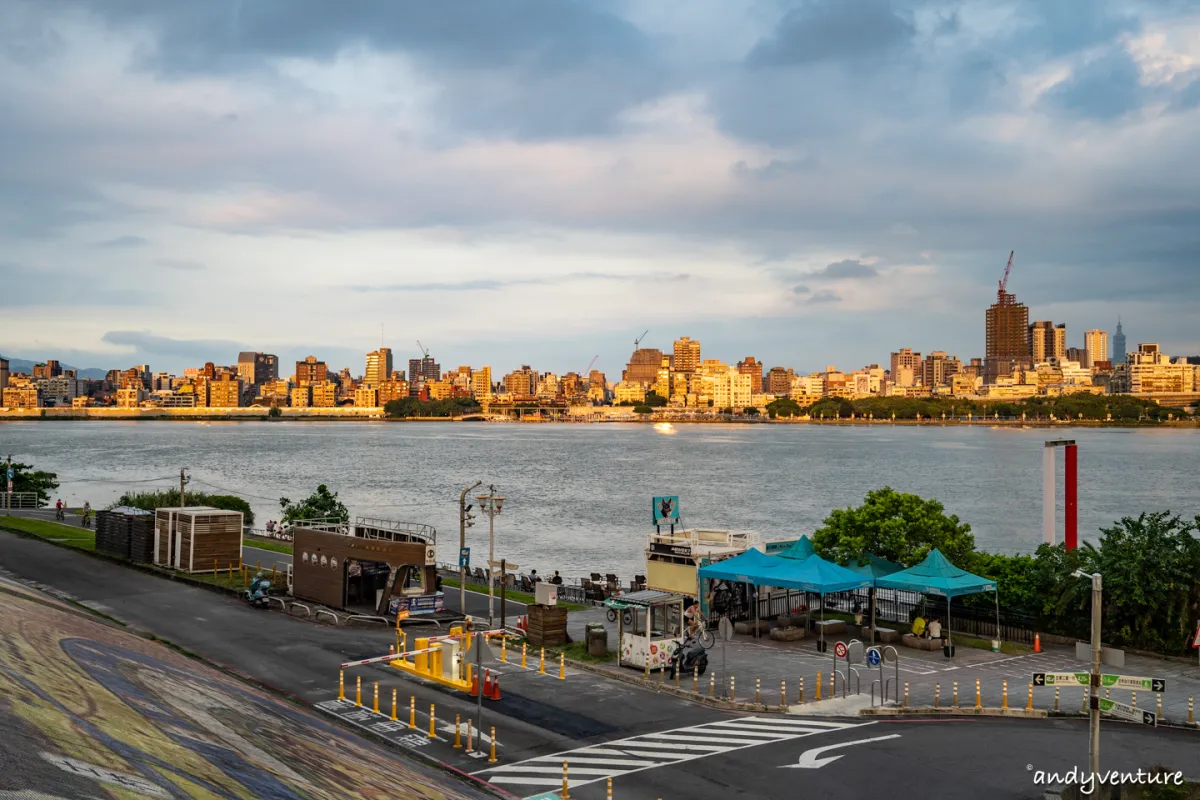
(647, 751)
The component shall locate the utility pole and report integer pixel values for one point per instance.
(183, 481)
(463, 523)
(8, 474)
(492, 503)
(1094, 696)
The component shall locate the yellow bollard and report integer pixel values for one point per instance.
(524, 646)
(432, 722)
(562, 667)
(458, 731)
(358, 690)
(819, 686)
(905, 693)
(231, 572)
(1191, 712)
(1133, 700)
(470, 736)
(274, 580)
(677, 671)
(376, 707)
(1004, 705)
(712, 684)
(394, 718)
(412, 711)
(216, 572)
(566, 792)
(1029, 702)
(259, 567)
(757, 691)
(1056, 699)
(542, 663)
(492, 755)
(937, 695)
(341, 684)
(978, 696)
(801, 688)
(956, 694)
(783, 693)
(695, 679)
(1083, 708)
(1108, 693)
(732, 687)
(1158, 697)
(503, 649)
(608, 790)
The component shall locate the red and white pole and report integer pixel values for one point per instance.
(1071, 536)
(1048, 521)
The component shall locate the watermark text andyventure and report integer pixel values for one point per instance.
(1087, 782)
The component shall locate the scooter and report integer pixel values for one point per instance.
(690, 656)
(258, 592)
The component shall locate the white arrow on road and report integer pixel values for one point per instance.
(809, 760)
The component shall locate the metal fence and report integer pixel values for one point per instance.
(17, 500)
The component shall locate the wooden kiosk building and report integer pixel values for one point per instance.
(197, 538)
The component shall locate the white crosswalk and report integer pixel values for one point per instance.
(650, 750)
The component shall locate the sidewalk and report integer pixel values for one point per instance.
(771, 662)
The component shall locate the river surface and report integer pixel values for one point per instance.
(578, 496)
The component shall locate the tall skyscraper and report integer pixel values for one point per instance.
(1007, 337)
(748, 366)
(1047, 341)
(423, 370)
(255, 369)
(311, 372)
(687, 355)
(643, 366)
(3, 374)
(1096, 344)
(379, 368)
(1119, 353)
(906, 367)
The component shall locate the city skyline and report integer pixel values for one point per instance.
(810, 183)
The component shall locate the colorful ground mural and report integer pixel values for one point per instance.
(88, 710)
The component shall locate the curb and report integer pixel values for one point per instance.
(1016, 713)
(666, 688)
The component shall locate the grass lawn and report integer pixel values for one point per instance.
(1008, 648)
(268, 544)
(578, 651)
(518, 597)
(70, 535)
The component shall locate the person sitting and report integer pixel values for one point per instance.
(935, 629)
(557, 579)
(918, 626)
(533, 576)
(691, 616)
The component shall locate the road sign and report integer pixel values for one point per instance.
(873, 657)
(725, 628)
(840, 650)
(508, 565)
(1130, 682)
(1061, 679)
(1125, 711)
(464, 557)
(1196, 639)
(12, 473)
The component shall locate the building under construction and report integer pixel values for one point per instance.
(1007, 333)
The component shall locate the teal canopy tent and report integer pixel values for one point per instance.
(874, 567)
(936, 575)
(801, 549)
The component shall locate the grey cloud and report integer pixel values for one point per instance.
(183, 265)
(847, 268)
(824, 297)
(488, 284)
(123, 242)
(147, 344)
(1106, 88)
(800, 289)
(831, 30)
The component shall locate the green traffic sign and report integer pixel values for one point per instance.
(1130, 682)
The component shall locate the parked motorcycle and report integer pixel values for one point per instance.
(690, 656)
(258, 592)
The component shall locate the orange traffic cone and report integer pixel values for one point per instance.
(1037, 642)
(487, 683)
(495, 695)
(474, 686)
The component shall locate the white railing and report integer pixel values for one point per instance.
(278, 533)
(18, 500)
(698, 541)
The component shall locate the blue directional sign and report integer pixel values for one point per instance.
(11, 473)
(464, 557)
(873, 657)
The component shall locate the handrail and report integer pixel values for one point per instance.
(307, 610)
(857, 682)
(280, 600)
(370, 617)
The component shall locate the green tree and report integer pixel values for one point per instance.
(415, 407)
(654, 400)
(899, 527)
(783, 407)
(321, 504)
(28, 480)
(169, 498)
(275, 411)
(643, 409)
(750, 411)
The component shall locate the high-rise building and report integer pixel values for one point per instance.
(1078, 355)
(938, 369)
(379, 368)
(687, 355)
(522, 384)
(225, 392)
(51, 369)
(643, 366)
(1096, 344)
(310, 372)
(255, 369)
(3, 374)
(1007, 337)
(748, 366)
(481, 384)
(422, 370)
(1119, 355)
(778, 381)
(906, 367)
(1047, 341)
(1151, 371)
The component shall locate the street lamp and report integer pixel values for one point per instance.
(465, 518)
(491, 504)
(1094, 698)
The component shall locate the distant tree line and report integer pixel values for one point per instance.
(1122, 408)
(415, 407)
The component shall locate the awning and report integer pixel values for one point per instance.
(936, 575)
(813, 574)
(875, 567)
(800, 550)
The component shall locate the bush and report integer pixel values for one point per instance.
(169, 498)
(415, 407)
(321, 504)
(643, 409)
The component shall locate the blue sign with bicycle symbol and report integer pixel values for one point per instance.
(873, 657)
(464, 557)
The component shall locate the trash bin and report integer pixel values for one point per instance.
(597, 640)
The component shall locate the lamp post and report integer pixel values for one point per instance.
(464, 522)
(1094, 699)
(491, 504)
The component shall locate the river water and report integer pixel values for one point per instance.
(578, 496)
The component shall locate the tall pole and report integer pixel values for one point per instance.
(1048, 494)
(8, 493)
(1094, 713)
(183, 481)
(1071, 479)
(462, 543)
(491, 503)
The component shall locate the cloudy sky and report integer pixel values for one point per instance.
(539, 181)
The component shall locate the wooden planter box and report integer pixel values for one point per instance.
(547, 626)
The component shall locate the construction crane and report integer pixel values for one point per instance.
(1004, 282)
(588, 371)
(421, 347)
(638, 340)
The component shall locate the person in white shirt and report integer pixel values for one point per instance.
(935, 629)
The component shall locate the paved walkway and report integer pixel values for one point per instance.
(771, 662)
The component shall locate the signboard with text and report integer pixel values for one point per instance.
(423, 604)
(1107, 681)
(665, 510)
(1126, 711)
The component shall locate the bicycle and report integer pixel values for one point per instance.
(60, 515)
(699, 629)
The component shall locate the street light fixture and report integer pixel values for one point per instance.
(491, 504)
(1094, 696)
(464, 521)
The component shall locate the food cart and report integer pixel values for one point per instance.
(649, 627)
